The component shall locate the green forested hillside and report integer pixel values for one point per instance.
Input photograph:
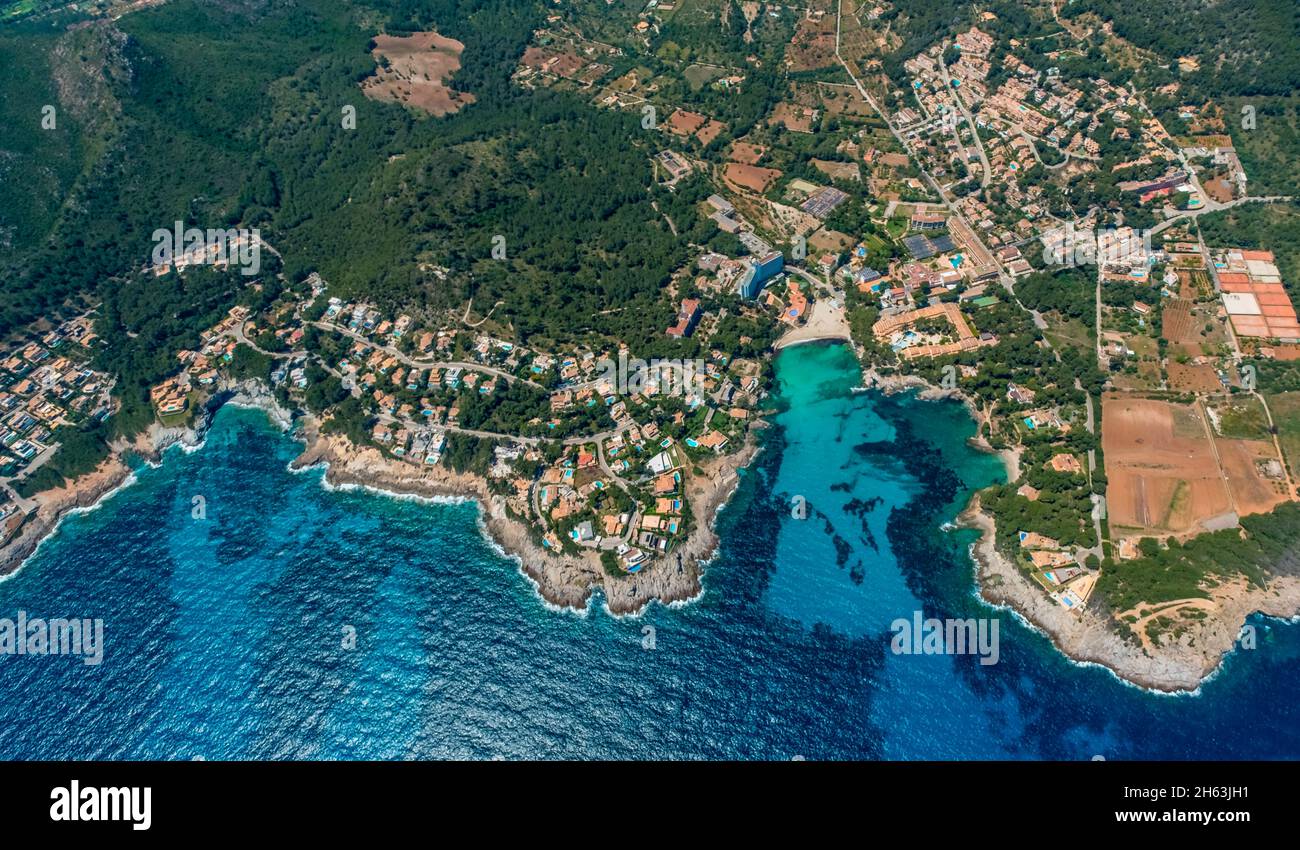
(234, 115)
(37, 166)
(1244, 47)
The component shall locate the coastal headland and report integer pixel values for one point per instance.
(1089, 636)
(567, 581)
(562, 580)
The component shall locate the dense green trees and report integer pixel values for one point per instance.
(1263, 546)
(1249, 47)
(1068, 291)
(564, 188)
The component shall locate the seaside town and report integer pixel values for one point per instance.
(46, 386)
(603, 464)
(988, 218)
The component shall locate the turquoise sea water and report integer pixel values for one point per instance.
(224, 635)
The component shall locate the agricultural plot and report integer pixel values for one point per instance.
(1285, 408)
(843, 101)
(795, 118)
(1196, 338)
(750, 178)
(813, 45)
(746, 153)
(1195, 284)
(1161, 468)
(1253, 474)
(1173, 469)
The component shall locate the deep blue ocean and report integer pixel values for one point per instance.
(224, 636)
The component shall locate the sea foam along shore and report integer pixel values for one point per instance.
(564, 581)
(43, 513)
(1175, 666)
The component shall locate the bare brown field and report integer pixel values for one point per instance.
(844, 100)
(847, 171)
(1160, 465)
(746, 153)
(710, 131)
(830, 240)
(795, 118)
(813, 45)
(562, 64)
(1252, 492)
(1192, 377)
(684, 123)
(750, 177)
(1219, 190)
(417, 74)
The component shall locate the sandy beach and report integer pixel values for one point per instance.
(568, 581)
(824, 322)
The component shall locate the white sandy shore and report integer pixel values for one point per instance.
(824, 322)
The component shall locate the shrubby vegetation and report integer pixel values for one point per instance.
(1249, 47)
(1068, 291)
(1264, 545)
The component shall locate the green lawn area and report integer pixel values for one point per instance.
(898, 226)
(698, 76)
(1242, 419)
(1063, 332)
(1285, 408)
(22, 7)
(183, 418)
(873, 242)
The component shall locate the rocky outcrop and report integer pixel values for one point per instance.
(561, 579)
(1177, 664)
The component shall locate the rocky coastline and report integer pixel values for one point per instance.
(562, 580)
(567, 581)
(1178, 666)
(47, 509)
